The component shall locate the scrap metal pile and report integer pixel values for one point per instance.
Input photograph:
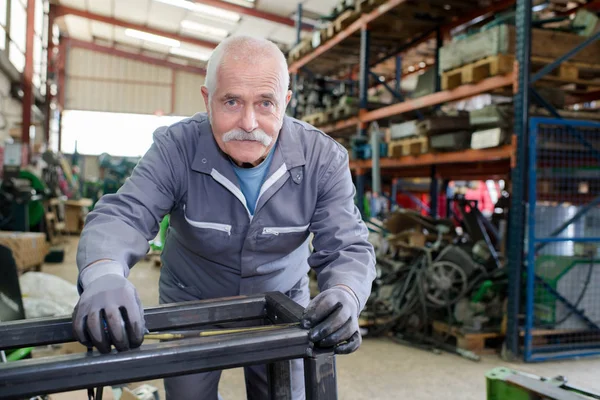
(435, 270)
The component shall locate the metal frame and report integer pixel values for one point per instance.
(516, 227)
(274, 347)
(535, 244)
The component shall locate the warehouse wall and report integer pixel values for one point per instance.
(188, 97)
(11, 111)
(101, 82)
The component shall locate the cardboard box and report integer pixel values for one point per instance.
(29, 249)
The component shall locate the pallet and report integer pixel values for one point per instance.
(478, 343)
(343, 112)
(365, 6)
(300, 50)
(407, 147)
(317, 119)
(567, 72)
(477, 71)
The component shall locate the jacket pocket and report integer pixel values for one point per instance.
(210, 225)
(284, 229)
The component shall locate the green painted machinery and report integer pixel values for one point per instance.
(508, 384)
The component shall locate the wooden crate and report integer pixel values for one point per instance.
(477, 342)
(407, 147)
(29, 249)
(501, 39)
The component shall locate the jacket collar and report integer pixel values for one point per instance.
(209, 156)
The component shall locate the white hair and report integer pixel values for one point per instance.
(248, 49)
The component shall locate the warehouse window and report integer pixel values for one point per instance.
(3, 9)
(18, 33)
(120, 135)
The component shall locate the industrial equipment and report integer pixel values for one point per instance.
(508, 384)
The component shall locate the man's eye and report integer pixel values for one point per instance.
(267, 103)
(231, 103)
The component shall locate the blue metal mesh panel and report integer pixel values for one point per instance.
(563, 240)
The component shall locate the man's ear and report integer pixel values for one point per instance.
(288, 97)
(205, 96)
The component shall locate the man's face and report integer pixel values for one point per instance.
(247, 109)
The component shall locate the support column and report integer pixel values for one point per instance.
(433, 193)
(364, 68)
(516, 224)
(398, 73)
(27, 83)
(360, 190)
(295, 73)
(439, 42)
(280, 381)
(320, 377)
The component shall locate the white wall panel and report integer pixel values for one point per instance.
(102, 82)
(188, 95)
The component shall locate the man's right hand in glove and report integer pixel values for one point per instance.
(109, 311)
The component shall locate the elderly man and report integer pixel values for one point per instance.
(244, 188)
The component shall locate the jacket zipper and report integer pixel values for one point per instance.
(210, 225)
(288, 229)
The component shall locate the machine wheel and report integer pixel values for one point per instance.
(445, 283)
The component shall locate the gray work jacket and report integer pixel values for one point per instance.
(215, 247)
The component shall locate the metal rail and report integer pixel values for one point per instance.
(274, 347)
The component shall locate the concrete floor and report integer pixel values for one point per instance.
(380, 369)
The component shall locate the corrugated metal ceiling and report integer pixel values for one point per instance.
(169, 17)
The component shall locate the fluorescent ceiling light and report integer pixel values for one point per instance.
(152, 38)
(198, 55)
(203, 10)
(204, 29)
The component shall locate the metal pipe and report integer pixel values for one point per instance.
(320, 377)
(56, 374)
(17, 334)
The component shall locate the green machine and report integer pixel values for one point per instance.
(507, 384)
(577, 279)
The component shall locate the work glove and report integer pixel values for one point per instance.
(332, 317)
(109, 311)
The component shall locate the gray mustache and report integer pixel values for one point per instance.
(257, 135)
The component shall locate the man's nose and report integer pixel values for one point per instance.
(248, 122)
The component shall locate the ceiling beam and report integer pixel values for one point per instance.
(253, 12)
(82, 44)
(61, 11)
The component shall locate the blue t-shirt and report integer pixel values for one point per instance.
(251, 180)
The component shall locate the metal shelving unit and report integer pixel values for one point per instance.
(508, 162)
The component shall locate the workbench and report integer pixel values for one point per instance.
(274, 346)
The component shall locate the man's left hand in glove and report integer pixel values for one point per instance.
(332, 318)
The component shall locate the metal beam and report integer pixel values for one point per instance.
(515, 238)
(253, 12)
(27, 82)
(31, 333)
(133, 56)
(62, 11)
(152, 361)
